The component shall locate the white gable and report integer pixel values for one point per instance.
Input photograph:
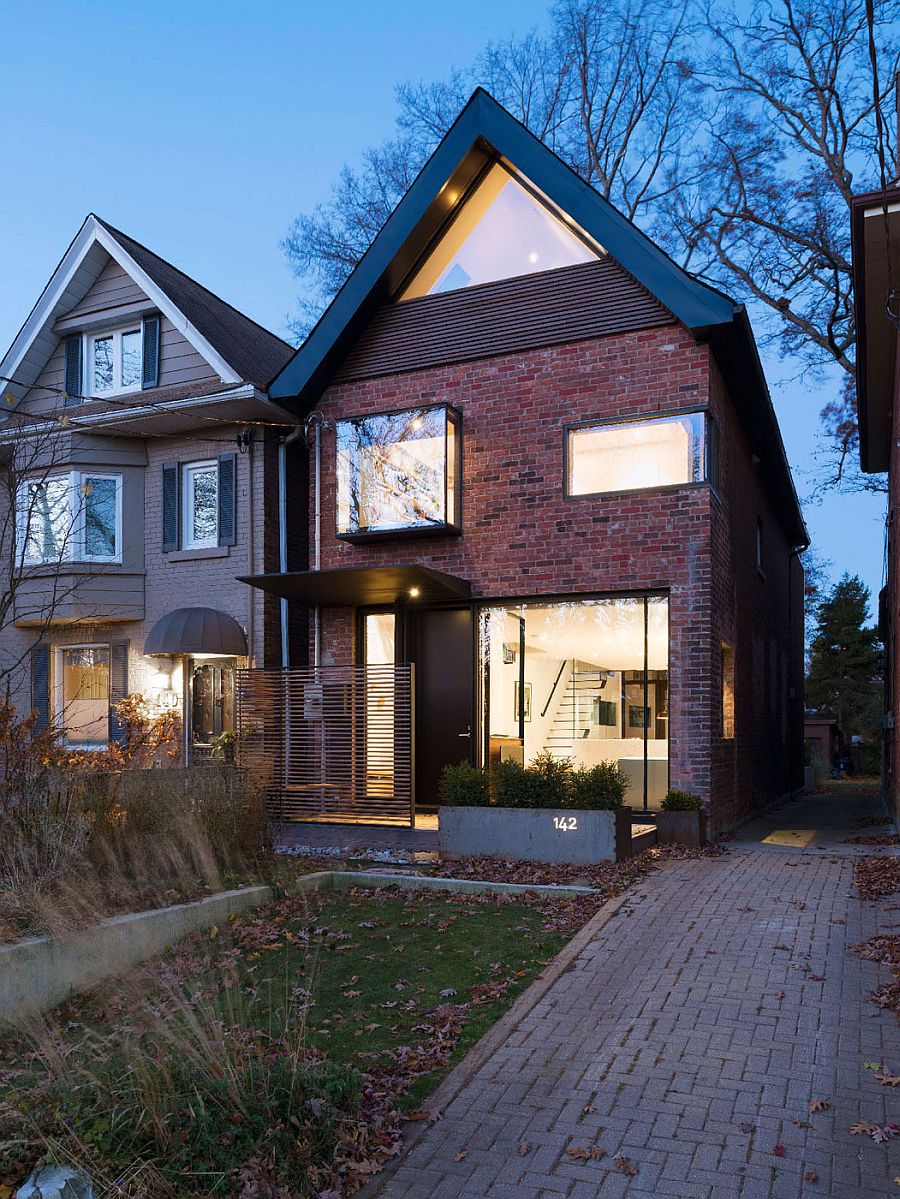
(82, 265)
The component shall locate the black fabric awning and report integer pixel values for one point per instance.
(363, 585)
(196, 631)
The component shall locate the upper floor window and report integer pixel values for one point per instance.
(501, 231)
(200, 505)
(637, 454)
(115, 361)
(75, 516)
(398, 472)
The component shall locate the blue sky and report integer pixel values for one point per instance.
(202, 128)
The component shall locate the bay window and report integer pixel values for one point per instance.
(637, 454)
(398, 472)
(75, 516)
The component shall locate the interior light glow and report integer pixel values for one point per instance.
(414, 593)
(533, 256)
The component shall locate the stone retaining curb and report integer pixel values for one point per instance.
(43, 971)
(487, 1046)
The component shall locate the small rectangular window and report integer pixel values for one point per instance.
(636, 455)
(200, 505)
(397, 472)
(115, 362)
(727, 693)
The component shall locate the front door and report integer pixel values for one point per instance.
(445, 696)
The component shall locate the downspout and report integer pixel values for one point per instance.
(315, 421)
(283, 443)
(251, 554)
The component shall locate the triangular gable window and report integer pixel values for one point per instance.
(502, 231)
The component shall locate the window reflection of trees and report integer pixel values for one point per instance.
(393, 468)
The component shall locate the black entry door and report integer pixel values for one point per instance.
(445, 696)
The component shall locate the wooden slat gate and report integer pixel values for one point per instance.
(330, 742)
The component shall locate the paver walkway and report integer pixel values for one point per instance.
(690, 1036)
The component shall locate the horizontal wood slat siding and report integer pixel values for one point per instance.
(570, 304)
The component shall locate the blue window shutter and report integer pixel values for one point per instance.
(150, 373)
(73, 368)
(227, 499)
(40, 686)
(118, 689)
(171, 507)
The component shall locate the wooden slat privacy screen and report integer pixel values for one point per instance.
(333, 742)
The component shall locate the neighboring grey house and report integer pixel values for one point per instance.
(153, 455)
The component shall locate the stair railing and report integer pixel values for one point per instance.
(553, 689)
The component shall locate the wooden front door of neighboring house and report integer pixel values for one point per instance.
(444, 656)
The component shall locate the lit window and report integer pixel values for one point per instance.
(398, 471)
(637, 454)
(502, 231)
(115, 361)
(83, 694)
(71, 517)
(727, 692)
(200, 505)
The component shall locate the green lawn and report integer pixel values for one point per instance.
(278, 1039)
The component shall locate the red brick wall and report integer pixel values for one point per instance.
(522, 537)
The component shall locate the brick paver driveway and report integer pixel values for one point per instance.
(690, 1037)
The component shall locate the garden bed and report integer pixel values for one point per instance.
(280, 1049)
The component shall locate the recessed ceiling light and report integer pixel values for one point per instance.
(532, 257)
(414, 593)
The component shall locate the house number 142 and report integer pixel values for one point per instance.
(568, 824)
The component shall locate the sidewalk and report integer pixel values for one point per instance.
(689, 1037)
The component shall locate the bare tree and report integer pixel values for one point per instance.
(764, 207)
(604, 89)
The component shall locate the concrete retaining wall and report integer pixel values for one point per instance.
(41, 972)
(536, 834)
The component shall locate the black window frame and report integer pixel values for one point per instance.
(710, 446)
(448, 527)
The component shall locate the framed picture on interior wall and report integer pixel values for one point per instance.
(527, 711)
(638, 717)
(509, 653)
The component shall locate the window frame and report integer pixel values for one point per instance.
(74, 549)
(116, 334)
(447, 527)
(709, 433)
(187, 471)
(58, 699)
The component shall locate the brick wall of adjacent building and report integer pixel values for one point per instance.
(522, 537)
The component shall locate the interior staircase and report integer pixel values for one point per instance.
(574, 712)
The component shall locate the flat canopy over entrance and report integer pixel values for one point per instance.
(353, 586)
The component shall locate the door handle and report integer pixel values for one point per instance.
(468, 732)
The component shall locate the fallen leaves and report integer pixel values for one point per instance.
(590, 1153)
(888, 1080)
(624, 1164)
(818, 1105)
(523, 1148)
(810, 1176)
(779, 1151)
(878, 1132)
(876, 877)
(461, 1156)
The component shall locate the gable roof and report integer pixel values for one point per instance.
(483, 132)
(236, 347)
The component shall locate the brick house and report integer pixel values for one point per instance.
(140, 463)
(550, 475)
(875, 234)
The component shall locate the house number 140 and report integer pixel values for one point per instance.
(567, 823)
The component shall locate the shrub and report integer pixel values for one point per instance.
(601, 787)
(543, 784)
(464, 785)
(681, 801)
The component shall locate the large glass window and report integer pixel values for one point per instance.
(398, 471)
(584, 679)
(200, 505)
(115, 362)
(379, 634)
(212, 700)
(503, 230)
(72, 517)
(83, 694)
(636, 454)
